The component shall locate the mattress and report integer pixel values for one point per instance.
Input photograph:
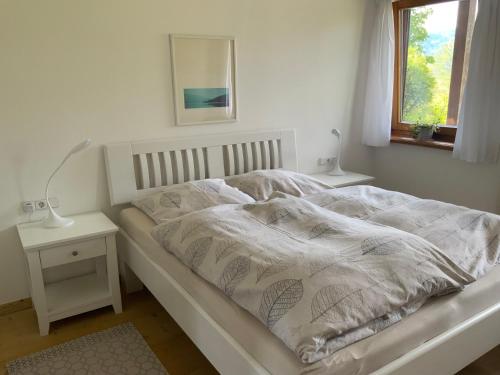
(362, 357)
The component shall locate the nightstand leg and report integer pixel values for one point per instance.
(38, 292)
(43, 326)
(113, 279)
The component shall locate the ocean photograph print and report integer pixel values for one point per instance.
(204, 79)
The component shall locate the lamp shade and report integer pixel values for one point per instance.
(80, 146)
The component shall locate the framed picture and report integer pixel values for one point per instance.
(204, 79)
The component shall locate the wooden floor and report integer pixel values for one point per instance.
(19, 336)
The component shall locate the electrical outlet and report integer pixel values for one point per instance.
(41, 204)
(28, 207)
(31, 206)
(325, 161)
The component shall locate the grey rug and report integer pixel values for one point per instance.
(118, 350)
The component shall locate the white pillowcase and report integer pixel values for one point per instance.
(261, 183)
(181, 199)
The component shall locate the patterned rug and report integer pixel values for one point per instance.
(118, 350)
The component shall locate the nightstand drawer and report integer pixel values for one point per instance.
(73, 252)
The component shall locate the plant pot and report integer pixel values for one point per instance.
(425, 133)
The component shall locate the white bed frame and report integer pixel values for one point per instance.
(138, 168)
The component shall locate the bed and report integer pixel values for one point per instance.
(442, 337)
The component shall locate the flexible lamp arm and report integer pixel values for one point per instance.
(337, 170)
(54, 220)
(338, 133)
(52, 175)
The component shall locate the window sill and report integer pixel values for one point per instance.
(432, 143)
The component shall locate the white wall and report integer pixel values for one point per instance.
(431, 173)
(101, 69)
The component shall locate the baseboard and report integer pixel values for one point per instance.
(12, 307)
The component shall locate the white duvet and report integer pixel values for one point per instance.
(317, 279)
(469, 237)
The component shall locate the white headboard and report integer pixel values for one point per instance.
(141, 167)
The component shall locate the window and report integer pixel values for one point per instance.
(432, 39)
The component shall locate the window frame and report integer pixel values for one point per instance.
(400, 131)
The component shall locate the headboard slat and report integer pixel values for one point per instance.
(263, 154)
(163, 168)
(241, 158)
(138, 168)
(227, 160)
(175, 169)
(255, 157)
(155, 156)
(151, 170)
(179, 159)
(272, 164)
(188, 166)
(236, 159)
(138, 172)
(196, 163)
(185, 166)
(168, 168)
(246, 160)
(144, 170)
(280, 154)
(205, 163)
(216, 169)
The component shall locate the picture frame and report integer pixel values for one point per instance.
(203, 79)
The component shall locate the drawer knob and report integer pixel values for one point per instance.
(74, 253)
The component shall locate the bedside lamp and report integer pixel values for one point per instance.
(54, 220)
(337, 171)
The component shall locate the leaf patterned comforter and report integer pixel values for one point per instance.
(317, 279)
(468, 237)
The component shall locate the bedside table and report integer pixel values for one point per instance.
(349, 179)
(92, 236)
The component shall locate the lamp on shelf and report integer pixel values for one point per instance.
(337, 171)
(53, 220)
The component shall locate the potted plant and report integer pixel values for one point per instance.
(423, 131)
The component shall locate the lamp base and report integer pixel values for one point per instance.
(56, 221)
(336, 171)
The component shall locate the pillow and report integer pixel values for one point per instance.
(260, 184)
(177, 200)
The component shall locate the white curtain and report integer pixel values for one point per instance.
(379, 85)
(478, 133)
